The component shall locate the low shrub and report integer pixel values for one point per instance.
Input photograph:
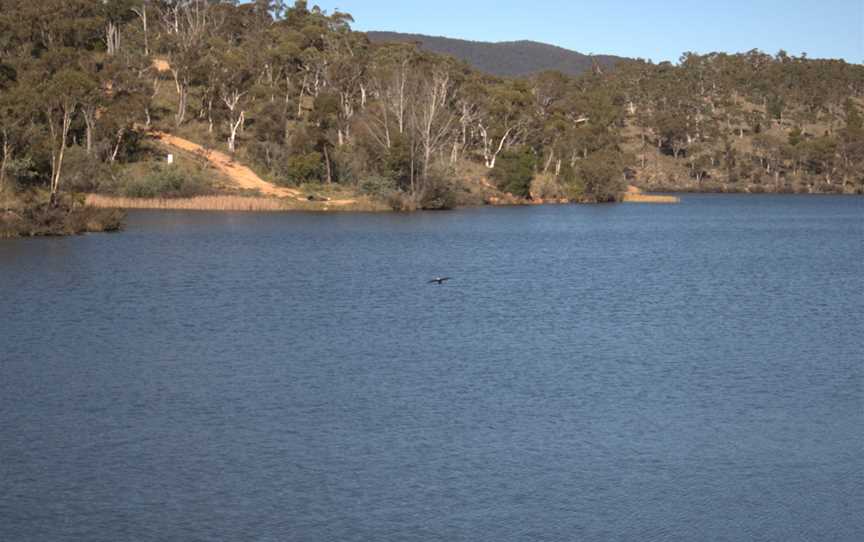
(163, 181)
(83, 172)
(514, 172)
(599, 178)
(438, 194)
(378, 187)
(301, 169)
(547, 187)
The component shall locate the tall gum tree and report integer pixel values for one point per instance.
(235, 79)
(61, 97)
(502, 118)
(433, 116)
(11, 117)
(388, 77)
(186, 24)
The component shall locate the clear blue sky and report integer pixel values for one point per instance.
(658, 30)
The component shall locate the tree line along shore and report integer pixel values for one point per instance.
(317, 111)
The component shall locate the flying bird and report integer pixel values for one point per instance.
(439, 280)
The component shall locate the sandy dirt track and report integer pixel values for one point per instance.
(241, 175)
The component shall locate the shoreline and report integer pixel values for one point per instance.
(753, 190)
(260, 204)
(101, 213)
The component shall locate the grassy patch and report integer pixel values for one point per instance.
(183, 179)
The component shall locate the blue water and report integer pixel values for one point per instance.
(693, 372)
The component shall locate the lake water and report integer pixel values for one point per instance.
(693, 372)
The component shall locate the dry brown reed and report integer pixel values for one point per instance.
(237, 204)
(201, 203)
(649, 198)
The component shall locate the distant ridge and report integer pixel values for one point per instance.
(509, 59)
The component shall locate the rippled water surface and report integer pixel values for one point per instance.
(693, 372)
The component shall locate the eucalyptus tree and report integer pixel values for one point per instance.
(345, 71)
(143, 9)
(851, 147)
(186, 25)
(93, 101)
(432, 117)
(61, 96)
(390, 71)
(502, 118)
(549, 117)
(126, 99)
(10, 117)
(234, 77)
(117, 14)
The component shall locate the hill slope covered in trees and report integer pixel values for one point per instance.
(304, 100)
(506, 59)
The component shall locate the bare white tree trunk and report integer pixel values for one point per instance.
(302, 95)
(154, 90)
(549, 160)
(142, 14)
(433, 107)
(490, 153)
(182, 87)
(455, 151)
(237, 116)
(235, 126)
(403, 82)
(112, 38)
(90, 126)
(377, 122)
(388, 140)
(389, 89)
(329, 169)
(210, 115)
(120, 133)
(347, 105)
(58, 150)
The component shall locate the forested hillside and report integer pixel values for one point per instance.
(506, 59)
(301, 98)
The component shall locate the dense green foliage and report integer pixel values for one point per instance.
(301, 97)
(514, 172)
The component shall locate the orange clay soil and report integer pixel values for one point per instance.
(239, 174)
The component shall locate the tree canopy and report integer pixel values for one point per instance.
(298, 94)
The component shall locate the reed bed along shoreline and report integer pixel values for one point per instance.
(200, 203)
(229, 203)
(255, 204)
(649, 198)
